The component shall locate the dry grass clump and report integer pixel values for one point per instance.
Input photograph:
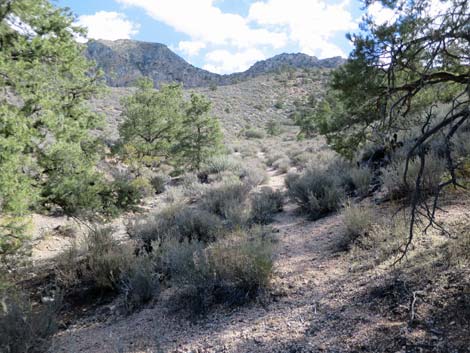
(383, 242)
(316, 192)
(273, 157)
(222, 163)
(357, 221)
(106, 259)
(458, 246)
(392, 176)
(254, 174)
(252, 133)
(140, 283)
(282, 165)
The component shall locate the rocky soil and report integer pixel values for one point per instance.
(317, 303)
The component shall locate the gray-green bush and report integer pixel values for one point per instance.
(361, 179)
(106, 259)
(232, 270)
(24, 328)
(140, 283)
(315, 191)
(265, 204)
(226, 198)
(178, 222)
(392, 176)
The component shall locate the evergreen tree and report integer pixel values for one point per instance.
(151, 121)
(303, 117)
(44, 84)
(396, 76)
(200, 135)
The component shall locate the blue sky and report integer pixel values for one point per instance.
(225, 36)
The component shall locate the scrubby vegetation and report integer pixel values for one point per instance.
(324, 204)
(316, 191)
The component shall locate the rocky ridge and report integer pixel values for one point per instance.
(124, 61)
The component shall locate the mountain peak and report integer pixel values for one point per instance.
(125, 60)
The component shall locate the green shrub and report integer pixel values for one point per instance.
(143, 185)
(78, 196)
(159, 183)
(278, 105)
(264, 205)
(392, 176)
(315, 191)
(125, 195)
(24, 328)
(273, 128)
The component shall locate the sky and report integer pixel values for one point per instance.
(225, 36)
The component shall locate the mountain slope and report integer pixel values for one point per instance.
(124, 61)
(285, 60)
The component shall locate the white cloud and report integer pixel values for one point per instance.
(204, 22)
(222, 61)
(191, 48)
(108, 25)
(383, 15)
(309, 23)
(380, 14)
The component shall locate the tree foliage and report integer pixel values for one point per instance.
(304, 117)
(200, 136)
(45, 122)
(161, 127)
(399, 72)
(151, 121)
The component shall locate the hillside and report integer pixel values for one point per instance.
(251, 102)
(123, 61)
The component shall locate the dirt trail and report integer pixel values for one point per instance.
(310, 308)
